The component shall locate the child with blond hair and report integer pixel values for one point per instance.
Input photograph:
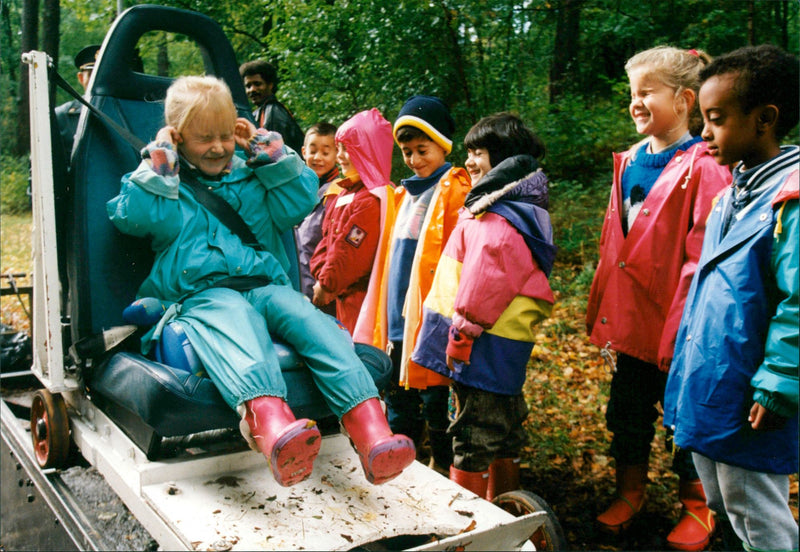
(649, 246)
(233, 297)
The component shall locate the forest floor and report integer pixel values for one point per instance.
(566, 461)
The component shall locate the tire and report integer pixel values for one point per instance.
(549, 536)
(50, 429)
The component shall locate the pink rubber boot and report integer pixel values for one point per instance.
(383, 455)
(290, 445)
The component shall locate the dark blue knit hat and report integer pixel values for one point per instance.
(431, 116)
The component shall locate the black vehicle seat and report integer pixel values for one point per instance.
(148, 399)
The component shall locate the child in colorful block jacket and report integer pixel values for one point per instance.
(489, 291)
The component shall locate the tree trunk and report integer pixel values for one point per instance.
(751, 22)
(5, 18)
(51, 17)
(782, 21)
(458, 58)
(565, 46)
(29, 39)
(162, 59)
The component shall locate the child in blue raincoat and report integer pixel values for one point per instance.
(231, 297)
(732, 393)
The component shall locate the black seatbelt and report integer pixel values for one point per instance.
(220, 208)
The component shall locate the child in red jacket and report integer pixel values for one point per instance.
(342, 262)
(649, 246)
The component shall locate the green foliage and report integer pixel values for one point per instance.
(576, 211)
(580, 133)
(13, 185)
(8, 112)
(338, 57)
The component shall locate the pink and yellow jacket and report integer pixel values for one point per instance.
(491, 286)
(640, 285)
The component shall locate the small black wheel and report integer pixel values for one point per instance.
(549, 536)
(49, 429)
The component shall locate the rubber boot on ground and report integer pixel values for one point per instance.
(631, 481)
(503, 477)
(383, 454)
(696, 524)
(290, 445)
(477, 482)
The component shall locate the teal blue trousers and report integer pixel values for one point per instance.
(232, 332)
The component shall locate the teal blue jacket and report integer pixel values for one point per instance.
(193, 249)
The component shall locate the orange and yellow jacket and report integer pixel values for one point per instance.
(440, 220)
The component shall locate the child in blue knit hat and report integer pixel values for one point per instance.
(428, 204)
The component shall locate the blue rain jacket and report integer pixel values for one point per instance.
(738, 337)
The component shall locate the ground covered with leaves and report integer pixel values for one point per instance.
(567, 461)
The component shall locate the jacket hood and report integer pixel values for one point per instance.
(517, 191)
(368, 139)
(516, 178)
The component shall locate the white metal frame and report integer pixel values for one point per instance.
(48, 350)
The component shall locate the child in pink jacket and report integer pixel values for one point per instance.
(649, 247)
(343, 260)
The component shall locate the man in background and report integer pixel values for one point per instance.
(261, 84)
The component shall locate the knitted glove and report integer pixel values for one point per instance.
(459, 346)
(266, 146)
(161, 157)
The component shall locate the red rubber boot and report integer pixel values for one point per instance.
(631, 481)
(503, 477)
(477, 482)
(383, 455)
(696, 524)
(290, 445)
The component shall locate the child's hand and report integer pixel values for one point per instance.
(170, 135)
(321, 296)
(762, 419)
(242, 133)
(451, 364)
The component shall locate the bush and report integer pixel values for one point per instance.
(576, 211)
(14, 175)
(580, 134)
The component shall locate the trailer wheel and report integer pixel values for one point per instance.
(549, 536)
(49, 429)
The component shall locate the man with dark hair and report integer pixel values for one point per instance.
(261, 84)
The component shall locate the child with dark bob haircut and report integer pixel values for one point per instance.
(489, 292)
(732, 392)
